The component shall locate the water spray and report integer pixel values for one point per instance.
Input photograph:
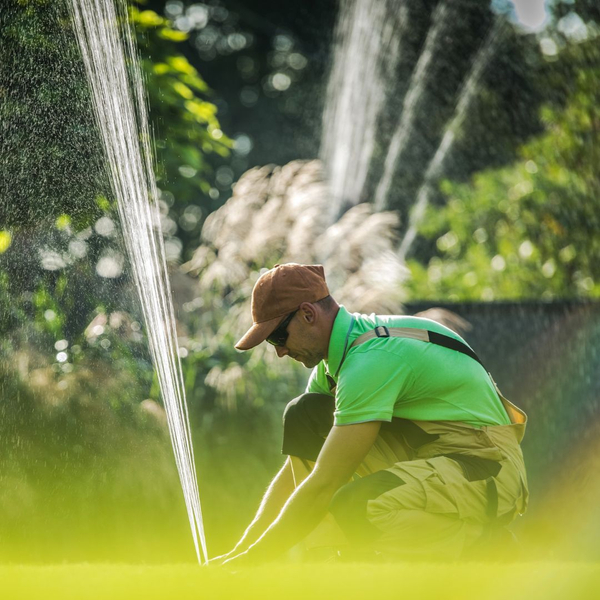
(119, 101)
(436, 165)
(418, 84)
(367, 51)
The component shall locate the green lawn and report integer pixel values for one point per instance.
(536, 580)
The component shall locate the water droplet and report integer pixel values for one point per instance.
(549, 268)
(480, 235)
(51, 260)
(526, 249)
(242, 144)
(281, 81)
(548, 47)
(297, 61)
(105, 226)
(531, 167)
(283, 42)
(110, 265)
(498, 263)
(77, 248)
(249, 96)
(187, 171)
(61, 345)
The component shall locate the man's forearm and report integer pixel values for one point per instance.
(273, 501)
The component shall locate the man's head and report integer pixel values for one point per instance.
(292, 309)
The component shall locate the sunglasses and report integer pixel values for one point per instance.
(280, 335)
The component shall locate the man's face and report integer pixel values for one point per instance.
(304, 342)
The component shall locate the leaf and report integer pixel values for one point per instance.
(103, 203)
(148, 18)
(172, 35)
(5, 241)
(160, 68)
(63, 222)
(181, 64)
(183, 90)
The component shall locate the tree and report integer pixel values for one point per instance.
(189, 139)
(52, 161)
(528, 230)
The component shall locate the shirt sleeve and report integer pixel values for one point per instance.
(369, 386)
(317, 383)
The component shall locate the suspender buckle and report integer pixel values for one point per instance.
(381, 331)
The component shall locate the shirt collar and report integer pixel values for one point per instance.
(337, 341)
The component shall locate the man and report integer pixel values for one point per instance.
(401, 444)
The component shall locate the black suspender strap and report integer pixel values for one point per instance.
(453, 344)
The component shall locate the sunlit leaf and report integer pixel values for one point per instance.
(172, 35)
(63, 222)
(183, 90)
(149, 18)
(5, 241)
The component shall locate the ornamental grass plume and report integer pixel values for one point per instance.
(278, 215)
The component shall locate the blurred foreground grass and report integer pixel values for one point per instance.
(441, 581)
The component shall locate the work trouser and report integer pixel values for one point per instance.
(426, 489)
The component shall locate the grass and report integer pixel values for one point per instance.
(543, 580)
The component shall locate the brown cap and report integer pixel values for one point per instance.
(279, 292)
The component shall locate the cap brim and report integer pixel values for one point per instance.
(258, 333)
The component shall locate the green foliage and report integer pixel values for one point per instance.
(186, 120)
(5, 241)
(528, 230)
(52, 159)
(53, 185)
(189, 139)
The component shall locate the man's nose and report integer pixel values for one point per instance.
(281, 351)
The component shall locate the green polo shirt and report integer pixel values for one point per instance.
(399, 377)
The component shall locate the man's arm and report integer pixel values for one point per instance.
(344, 450)
(275, 497)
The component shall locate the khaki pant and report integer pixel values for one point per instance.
(427, 489)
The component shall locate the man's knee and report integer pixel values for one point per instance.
(313, 409)
(306, 423)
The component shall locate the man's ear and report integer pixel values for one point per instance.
(308, 312)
